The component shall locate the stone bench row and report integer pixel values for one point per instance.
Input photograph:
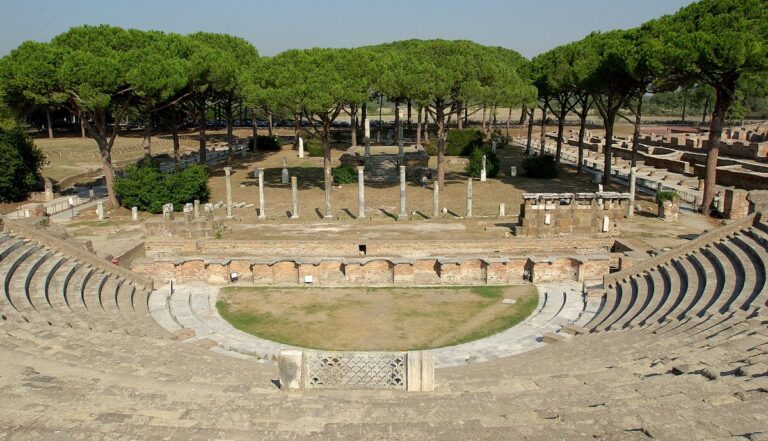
(41, 285)
(725, 275)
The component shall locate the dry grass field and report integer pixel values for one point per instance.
(375, 318)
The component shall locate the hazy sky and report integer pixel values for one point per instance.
(530, 27)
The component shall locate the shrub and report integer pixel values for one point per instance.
(475, 164)
(344, 174)
(430, 147)
(147, 188)
(542, 167)
(268, 143)
(462, 142)
(662, 196)
(314, 147)
(21, 161)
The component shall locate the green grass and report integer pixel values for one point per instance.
(314, 321)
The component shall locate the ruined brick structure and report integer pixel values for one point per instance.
(571, 214)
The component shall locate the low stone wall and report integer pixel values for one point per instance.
(376, 271)
(412, 371)
(316, 247)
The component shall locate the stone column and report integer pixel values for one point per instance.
(632, 182)
(168, 212)
(402, 214)
(285, 176)
(328, 179)
(513, 171)
(367, 125)
(262, 202)
(502, 209)
(227, 174)
(134, 213)
(197, 208)
(91, 195)
(100, 210)
(493, 147)
(361, 190)
(469, 198)
(301, 147)
(483, 171)
(294, 198)
(435, 200)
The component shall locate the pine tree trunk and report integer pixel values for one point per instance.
(418, 126)
(175, 135)
(49, 121)
(269, 122)
(82, 128)
(147, 141)
(202, 153)
(396, 136)
(353, 116)
(542, 137)
(328, 177)
(560, 129)
(704, 114)
(582, 132)
(509, 119)
(723, 100)
(409, 115)
(523, 114)
(441, 138)
(254, 128)
(296, 128)
(685, 102)
(363, 113)
(459, 113)
(528, 147)
(107, 169)
(636, 134)
(230, 122)
(608, 122)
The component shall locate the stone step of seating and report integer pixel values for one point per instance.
(629, 293)
(671, 281)
(757, 278)
(726, 280)
(707, 285)
(747, 286)
(18, 278)
(736, 282)
(647, 289)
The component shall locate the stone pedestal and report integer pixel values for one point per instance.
(361, 191)
(262, 202)
(502, 209)
(493, 147)
(197, 208)
(168, 212)
(294, 198)
(402, 214)
(188, 212)
(134, 214)
(100, 210)
(284, 175)
(228, 175)
(735, 204)
(669, 210)
(91, 195)
(483, 171)
(301, 147)
(513, 171)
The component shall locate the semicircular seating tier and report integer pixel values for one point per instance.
(677, 350)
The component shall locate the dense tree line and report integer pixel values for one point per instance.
(713, 51)
(100, 74)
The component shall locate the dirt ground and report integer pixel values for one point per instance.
(375, 318)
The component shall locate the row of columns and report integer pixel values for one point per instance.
(402, 213)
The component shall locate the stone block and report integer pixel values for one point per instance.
(291, 366)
